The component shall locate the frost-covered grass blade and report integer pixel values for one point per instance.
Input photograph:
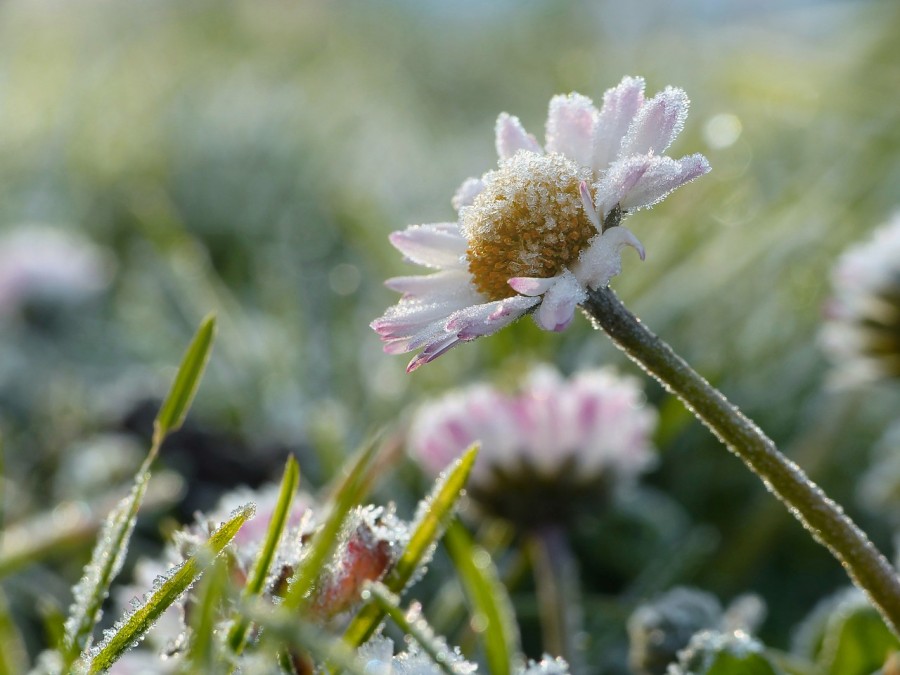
(420, 632)
(121, 638)
(174, 409)
(347, 495)
(106, 561)
(487, 597)
(433, 515)
(112, 544)
(237, 636)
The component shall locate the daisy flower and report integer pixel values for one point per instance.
(547, 450)
(534, 235)
(861, 334)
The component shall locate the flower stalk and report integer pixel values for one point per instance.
(824, 518)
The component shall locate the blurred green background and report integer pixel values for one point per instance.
(250, 158)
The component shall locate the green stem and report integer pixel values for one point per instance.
(558, 593)
(824, 519)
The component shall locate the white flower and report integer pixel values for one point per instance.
(543, 228)
(861, 334)
(550, 448)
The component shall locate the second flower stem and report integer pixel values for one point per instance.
(824, 518)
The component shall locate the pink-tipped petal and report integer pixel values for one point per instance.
(432, 351)
(490, 317)
(603, 258)
(662, 177)
(467, 192)
(531, 286)
(512, 137)
(657, 123)
(559, 303)
(620, 105)
(587, 201)
(570, 127)
(431, 245)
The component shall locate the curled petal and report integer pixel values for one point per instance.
(587, 201)
(512, 137)
(657, 123)
(570, 127)
(559, 303)
(467, 192)
(661, 177)
(531, 286)
(438, 245)
(432, 351)
(603, 258)
(620, 105)
(621, 178)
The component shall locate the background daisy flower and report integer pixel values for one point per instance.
(548, 449)
(544, 227)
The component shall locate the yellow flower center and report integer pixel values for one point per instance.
(528, 222)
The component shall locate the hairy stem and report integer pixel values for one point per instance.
(824, 519)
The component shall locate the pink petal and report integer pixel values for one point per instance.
(620, 105)
(531, 285)
(512, 137)
(587, 201)
(473, 322)
(657, 123)
(570, 127)
(438, 245)
(467, 192)
(662, 177)
(558, 304)
(432, 351)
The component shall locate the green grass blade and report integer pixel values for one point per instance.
(202, 655)
(106, 561)
(434, 515)
(173, 410)
(421, 632)
(256, 580)
(13, 655)
(487, 598)
(127, 632)
(290, 629)
(347, 495)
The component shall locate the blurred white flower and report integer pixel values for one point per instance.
(38, 261)
(546, 450)
(538, 232)
(861, 334)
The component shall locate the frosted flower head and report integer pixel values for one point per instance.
(534, 235)
(41, 262)
(548, 450)
(862, 330)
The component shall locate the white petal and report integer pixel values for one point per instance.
(467, 192)
(559, 303)
(603, 258)
(657, 123)
(441, 285)
(437, 245)
(620, 105)
(662, 176)
(512, 137)
(570, 127)
(407, 318)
